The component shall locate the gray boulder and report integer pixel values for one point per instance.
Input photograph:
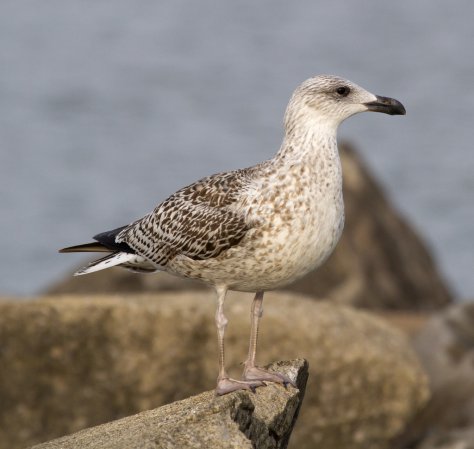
(454, 439)
(445, 347)
(69, 363)
(260, 420)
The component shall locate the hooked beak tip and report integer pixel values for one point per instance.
(386, 105)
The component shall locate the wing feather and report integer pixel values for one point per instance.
(199, 221)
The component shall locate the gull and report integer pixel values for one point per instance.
(253, 229)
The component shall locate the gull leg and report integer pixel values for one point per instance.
(224, 383)
(251, 371)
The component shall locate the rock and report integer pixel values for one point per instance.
(455, 439)
(409, 322)
(260, 420)
(445, 347)
(72, 362)
(380, 261)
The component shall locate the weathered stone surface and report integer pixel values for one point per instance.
(446, 349)
(260, 420)
(455, 439)
(409, 322)
(446, 345)
(73, 362)
(380, 261)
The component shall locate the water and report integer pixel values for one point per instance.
(108, 107)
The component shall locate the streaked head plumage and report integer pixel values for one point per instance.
(331, 99)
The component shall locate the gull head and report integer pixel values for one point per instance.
(328, 100)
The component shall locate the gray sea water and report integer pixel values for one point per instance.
(107, 107)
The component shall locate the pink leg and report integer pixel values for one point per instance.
(224, 383)
(251, 371)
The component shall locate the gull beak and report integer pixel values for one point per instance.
(386, 105)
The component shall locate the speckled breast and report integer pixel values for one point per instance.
(298, 221)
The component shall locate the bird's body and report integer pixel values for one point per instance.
(258, 228)
(277, 243)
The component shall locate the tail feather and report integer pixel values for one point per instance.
(108, 261)
(105, 243)
(119, 254)
(94, 247)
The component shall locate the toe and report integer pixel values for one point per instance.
(256, 373)
(228, 385)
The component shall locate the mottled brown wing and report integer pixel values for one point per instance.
(197, 221)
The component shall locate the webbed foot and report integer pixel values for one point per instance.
(227, 385)
(254, 373)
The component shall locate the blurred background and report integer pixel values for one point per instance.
(108, 107)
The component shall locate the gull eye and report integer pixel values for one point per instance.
(343, 91)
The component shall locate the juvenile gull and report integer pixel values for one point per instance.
(257, 228)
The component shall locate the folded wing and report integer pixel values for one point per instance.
(199, 221)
